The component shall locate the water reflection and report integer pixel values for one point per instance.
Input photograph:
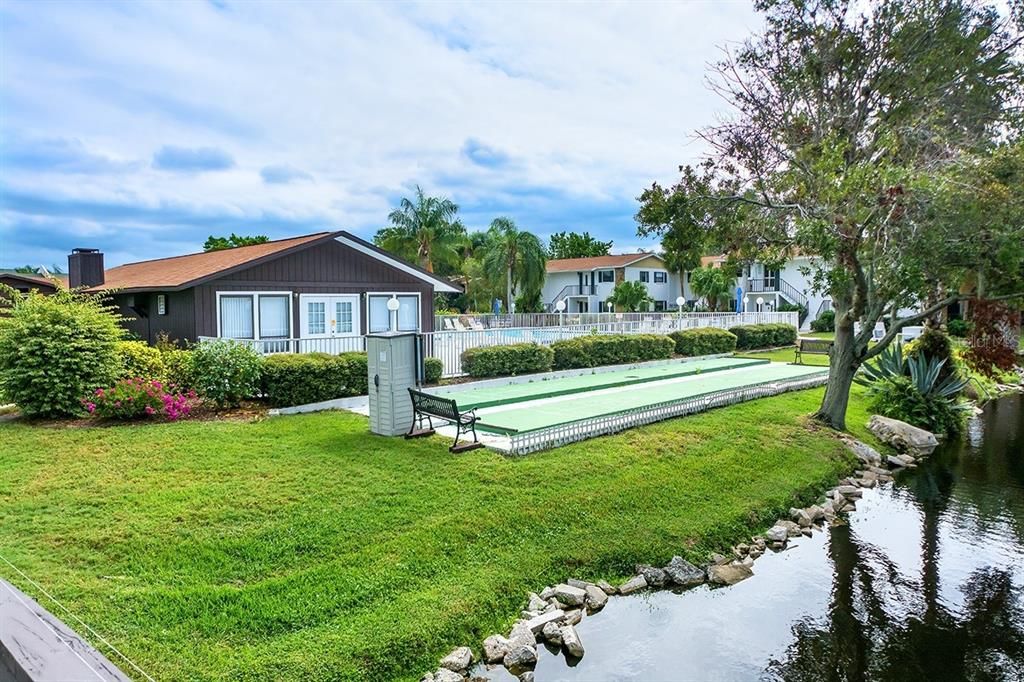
(926, 583)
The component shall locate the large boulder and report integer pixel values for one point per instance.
(634, 584)
(682, 572)
(729, 574)
(902, 436)
(495, 648)
(655, 577)
(864, 452)
(777, 534)
(458, 660)
(596, 598)
(521, 657)
(569, 595)
(446, 675)
(571, 641)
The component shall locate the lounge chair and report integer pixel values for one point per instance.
(475, 324)
(448, 324)
(911, 333)
(459, 327)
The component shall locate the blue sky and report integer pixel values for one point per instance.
(142, 128)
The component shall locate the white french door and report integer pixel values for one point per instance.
(329, 322)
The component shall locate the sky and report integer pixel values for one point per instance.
(142, 128)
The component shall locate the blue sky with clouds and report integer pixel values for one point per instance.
(141, 128)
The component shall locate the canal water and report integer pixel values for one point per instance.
(925, 583)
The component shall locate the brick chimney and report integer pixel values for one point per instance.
(85, 268)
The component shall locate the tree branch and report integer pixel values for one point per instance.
(898, 325)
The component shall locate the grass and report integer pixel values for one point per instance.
(302, 548)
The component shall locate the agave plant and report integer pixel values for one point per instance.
(925, 372)
(890, 363)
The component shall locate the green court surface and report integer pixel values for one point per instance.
(543, 413)
(490, 396)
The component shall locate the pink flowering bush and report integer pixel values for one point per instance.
(138, 397)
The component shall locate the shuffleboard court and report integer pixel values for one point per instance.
(489, 396)
(546, 412)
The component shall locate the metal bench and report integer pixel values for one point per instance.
(810, 346)
(426, 406)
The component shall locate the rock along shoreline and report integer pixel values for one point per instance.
(550, 616)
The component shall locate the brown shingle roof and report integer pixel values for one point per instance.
(574, 264)
(179, 271)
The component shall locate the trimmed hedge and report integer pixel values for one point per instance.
(301, 378)
(763, 335)
(610, 349)
(433, 368)
(703, 341)
(518, 358)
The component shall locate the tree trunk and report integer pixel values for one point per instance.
(843, 363)
(508, 289)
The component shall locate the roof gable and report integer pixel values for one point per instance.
(181, 272)
(597, 262)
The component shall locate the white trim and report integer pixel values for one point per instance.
(256, 309)
(389, 294)
(438, 283)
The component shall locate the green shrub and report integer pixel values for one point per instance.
(302, 378)
(703, 341)
(610, 349)
(433, 368)
(225, 372)
(750, 336)
(897, 397)
(826, 322)
(932, 343)
(140, 360)
(495, 361)
(56, 349)
(178, 367)
(958, 328)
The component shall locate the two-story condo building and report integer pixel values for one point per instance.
(586, 283)
(763, 289)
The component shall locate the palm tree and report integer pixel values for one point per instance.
(630, 296)
(713, 284)
(424, 231)
(514, 255)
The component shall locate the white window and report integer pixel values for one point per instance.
(343, 317)
(660, 277)
(161, 304)
(408, 313)
(605, 276)
(316, 317)
(274, 322)
(236, 320)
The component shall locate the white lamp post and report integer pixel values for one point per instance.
(393, 306)
(680, 301)
(760, 302)
(560, 307)
(746, 304)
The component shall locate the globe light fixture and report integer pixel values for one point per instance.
(393, 306)
(560, 306)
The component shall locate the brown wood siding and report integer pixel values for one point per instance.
(24, 286)
(179, 323)
(327, 268)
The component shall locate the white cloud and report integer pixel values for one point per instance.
(584, 104)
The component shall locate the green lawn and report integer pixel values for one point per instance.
(302, 548)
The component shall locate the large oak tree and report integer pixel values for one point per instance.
(847, 122)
